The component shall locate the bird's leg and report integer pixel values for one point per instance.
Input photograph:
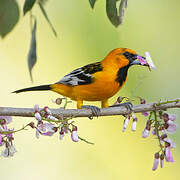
(104, 103)
(95, 110)
(79, 104)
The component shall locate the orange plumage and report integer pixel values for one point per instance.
(94, 82)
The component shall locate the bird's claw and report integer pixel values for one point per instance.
(95, 110)
(127, 105)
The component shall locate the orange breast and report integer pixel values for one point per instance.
(103, 87)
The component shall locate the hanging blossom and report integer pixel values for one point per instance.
(126, 122)
(163, 124)
(143, 101)
(49, 128)
(6, 137)
(147, 60)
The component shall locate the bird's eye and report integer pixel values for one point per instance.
(129, 56)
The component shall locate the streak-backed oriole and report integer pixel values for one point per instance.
(94, 82)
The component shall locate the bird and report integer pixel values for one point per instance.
(98, 81)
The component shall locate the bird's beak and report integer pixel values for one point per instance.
(139, 61)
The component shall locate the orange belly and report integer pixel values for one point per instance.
(91, 92)
(95, 91)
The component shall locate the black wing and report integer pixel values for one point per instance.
(81, 76)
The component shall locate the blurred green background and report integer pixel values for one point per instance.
(86, 36)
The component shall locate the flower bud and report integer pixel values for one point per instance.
(145, 133)
(0, 139)
(141, 60)
(147, 129)
(51, 117)
(133, 128)
(58, 101)
(163, 136)
(47, 110)
(162, 160)
(36, 108)
(61, 134)
(150, 61)
(31, 124)
(38, 116)
(74, 135)
(126, 121)
(168, 155)
(145, 113)
(171, 128)
(133, 115)
(172, 117)
(156, 161)
(142, 101)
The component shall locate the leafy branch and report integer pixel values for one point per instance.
(50, 121)
(111, 111)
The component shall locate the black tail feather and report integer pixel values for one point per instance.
(36, 88)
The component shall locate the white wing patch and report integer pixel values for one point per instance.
(76, 77)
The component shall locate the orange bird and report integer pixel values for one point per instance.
(94, 82)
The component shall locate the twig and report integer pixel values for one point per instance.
(111, 111)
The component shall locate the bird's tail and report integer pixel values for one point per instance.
(35, 88)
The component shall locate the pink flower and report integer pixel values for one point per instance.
(162, 160)
(167, 117)
(0, 139)
(51, 117)
(38, 116)
(37, 134)
(48, 133)
(133, 115)
(145, 113)
(154, 132)
(9, 151)
(171, 128)
(8, 119)
(172, 117)
(133, 128)
(156, 162)
(61, 134)
(74, 134)
(47, 110)
(141, 60)
(147, 129)
(142, 101)
(145, 133)
(126, 121)
(46, 129)
(36, 108)
(162, 163)
(168, 155)
(149, 61)
(170, 142)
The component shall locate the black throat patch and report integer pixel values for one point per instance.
(122, 74)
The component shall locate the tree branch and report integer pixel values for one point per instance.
(28, 112)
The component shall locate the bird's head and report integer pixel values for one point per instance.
(123, 57)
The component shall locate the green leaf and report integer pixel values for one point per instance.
(43, 2)
(46, 17)
(92, 2)
(112, 11)
(9, 16)
(32, 56)
(122, 7)
(28, 5)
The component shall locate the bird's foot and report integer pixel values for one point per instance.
(127, 105)
(95, 110)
